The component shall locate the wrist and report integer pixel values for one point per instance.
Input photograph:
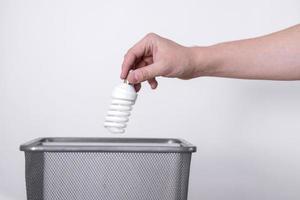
(207, 61)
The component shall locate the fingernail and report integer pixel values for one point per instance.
(153, 86)
(129, 78)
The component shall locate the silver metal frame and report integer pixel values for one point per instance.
(161, 145)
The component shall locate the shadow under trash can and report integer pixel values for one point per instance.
(107, 168)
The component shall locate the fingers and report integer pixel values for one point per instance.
(133, 54)
(137, 87)
(140, 61)
(144, 62)
(142, 49)
(148, 72)
(128, 62)
(153, 83)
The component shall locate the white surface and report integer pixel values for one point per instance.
(123, 98)
(60, 59)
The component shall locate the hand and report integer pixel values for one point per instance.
(156, 56)
(273, 57)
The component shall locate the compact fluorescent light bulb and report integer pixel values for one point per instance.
(123, 98)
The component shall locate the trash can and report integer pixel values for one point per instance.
(107, 168)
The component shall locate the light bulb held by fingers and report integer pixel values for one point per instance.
(123, 98)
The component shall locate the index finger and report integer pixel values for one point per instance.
(133, 54)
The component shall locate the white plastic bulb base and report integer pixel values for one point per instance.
(123, 98)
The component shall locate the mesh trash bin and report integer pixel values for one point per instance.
(107, 168)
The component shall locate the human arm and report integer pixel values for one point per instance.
(274, 57)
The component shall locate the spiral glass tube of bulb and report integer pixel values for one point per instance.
(123, 98)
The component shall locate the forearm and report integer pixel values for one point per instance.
(275, 57)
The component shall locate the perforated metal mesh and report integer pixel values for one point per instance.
(107, 176)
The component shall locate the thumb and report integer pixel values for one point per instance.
(144, 73)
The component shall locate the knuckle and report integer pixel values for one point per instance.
(141, 75)
(129, 54)
(146, 75)
(151, 35)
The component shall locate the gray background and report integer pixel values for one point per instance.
(60, 59)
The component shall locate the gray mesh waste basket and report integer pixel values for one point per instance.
(107, 168)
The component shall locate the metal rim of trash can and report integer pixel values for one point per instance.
(74, 144)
